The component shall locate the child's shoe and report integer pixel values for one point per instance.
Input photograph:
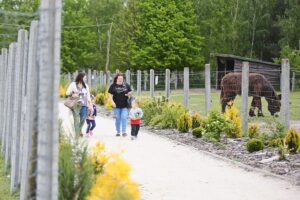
(91, 133)
(132, 138)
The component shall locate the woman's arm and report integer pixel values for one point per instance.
(111, 100)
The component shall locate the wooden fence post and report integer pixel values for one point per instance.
(245, 91)
(186, 86)
(151, 83)
(17, 110)
(127, 76)
(139, 82)
(145, 80)
(293, 81)
(4, 63)
(49, 38)
(285, 92)
(89, 78)
(10, 103)
(108, 81)
(101, 78)
(167, 84)
(30, 129)
(94, 79)
(176, 80)
(69, 78)
(207, 89)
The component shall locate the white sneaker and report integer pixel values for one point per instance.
(132, 138)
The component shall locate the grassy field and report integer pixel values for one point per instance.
(5, 184)
(197, 101)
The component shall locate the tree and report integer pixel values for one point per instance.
(79, 36)
(159, 35)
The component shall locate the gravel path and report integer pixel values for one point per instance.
(166, 170)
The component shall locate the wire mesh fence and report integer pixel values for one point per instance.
(264, 92)
(30, 70)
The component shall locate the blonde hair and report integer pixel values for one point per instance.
(136, 101)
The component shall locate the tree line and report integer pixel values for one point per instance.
(144, 34)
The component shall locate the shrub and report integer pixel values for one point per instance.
(152, 108)
(292, 140)
(115, 182)
(98, 89)
(108, 103)
(254, 145)
(98, 157)
(196, 120)
(216, 124)
(62, 91)
(282, 152)
(198, 132)
(76, 173)
(277, 142)
(113, 179)
(253, 131)
(168, 117)
(231, 113)
(100, 99)
(184, 123)
(277, 131)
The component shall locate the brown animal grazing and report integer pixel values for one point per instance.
(259, 87)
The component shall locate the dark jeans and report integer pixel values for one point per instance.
(135, 129)
(91, 124)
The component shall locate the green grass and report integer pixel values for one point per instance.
(5, 184)
(197, 102)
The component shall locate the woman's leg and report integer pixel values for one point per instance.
(83, 115)
(124, 115)
(117, 115)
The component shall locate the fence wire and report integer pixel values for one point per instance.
(30, 68)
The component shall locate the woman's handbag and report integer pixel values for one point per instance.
(71, 102)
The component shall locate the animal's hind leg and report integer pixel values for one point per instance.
(251, 112)
(260, 113)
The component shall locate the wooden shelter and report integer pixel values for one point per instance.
(227, 63)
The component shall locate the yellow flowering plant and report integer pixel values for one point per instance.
(231, 113)
(113, 181)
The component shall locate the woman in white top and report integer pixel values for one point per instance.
(81, 90)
